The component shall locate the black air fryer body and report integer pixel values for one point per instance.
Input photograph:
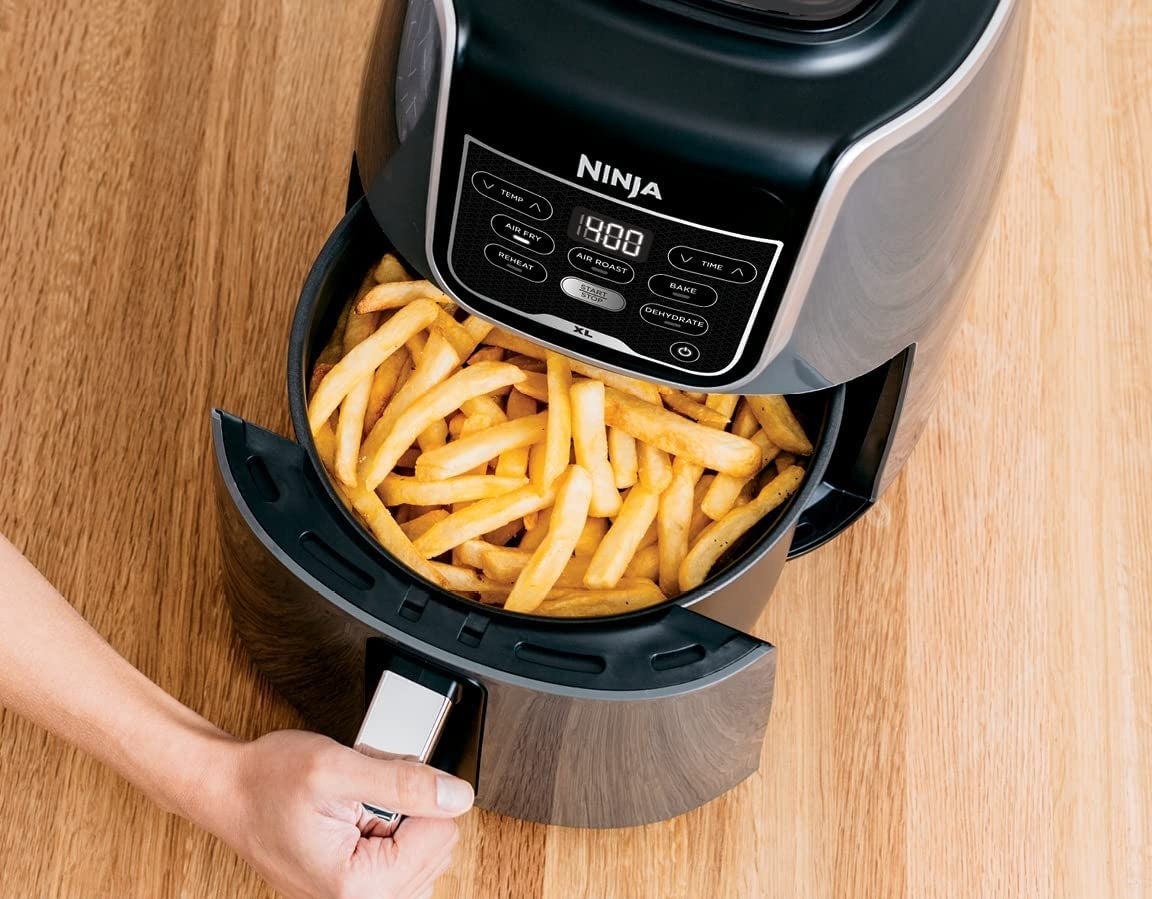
(757, 196)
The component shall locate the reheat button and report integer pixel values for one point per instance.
(515, 263)
(674, 319)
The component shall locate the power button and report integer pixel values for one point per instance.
(684, 352)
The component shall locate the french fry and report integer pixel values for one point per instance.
(486, 354)
(466, 453)
(461, 579)
(537, 530)
(696, 443)
(781, 426)
(505, 533)
(744, 423)
(573, 496)
(514, 462)
(724, 404)
(527, 363)
(655, 468)
(674, 521)
(784, 461)
(558, 435)
(590, 440)
(363, 361)
(414, 527)
(436, 403)
(353, 408)
(455, 333)
(385, 383)
(721, 497)
(398, 489)
(590, 537)
(390, 269)
(408, 458)
(620, 544)
(678, 402)
(434, 436)
(396, 294)
(720, 535)
(481, 517)
(416, 344)
(626, 597)
(645, 564)
(622, 455)
(486, 406)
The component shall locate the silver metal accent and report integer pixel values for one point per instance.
(592, 294)
(404, 720)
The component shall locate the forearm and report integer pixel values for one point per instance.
(58, 672)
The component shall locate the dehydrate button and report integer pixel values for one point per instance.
(674, 319)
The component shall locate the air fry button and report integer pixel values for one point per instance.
(712, 264)
(512, 196)
(674, 319)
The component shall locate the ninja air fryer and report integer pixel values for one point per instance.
(753, 196)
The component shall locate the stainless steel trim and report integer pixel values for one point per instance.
(404, 720)
(852, 163)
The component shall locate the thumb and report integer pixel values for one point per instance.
(410, 788)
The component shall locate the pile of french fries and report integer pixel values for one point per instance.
(518, 477)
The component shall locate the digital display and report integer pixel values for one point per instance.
(609, 234)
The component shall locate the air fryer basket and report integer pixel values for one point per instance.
(356, 245)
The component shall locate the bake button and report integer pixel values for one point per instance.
(515, 263)
(684, 352)
(600, 265)
(512, 196)
(712, 264)
(527, 236)
(674, 319)
(592, 294)
(681, 290)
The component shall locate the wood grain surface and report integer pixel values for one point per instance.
(964, 699)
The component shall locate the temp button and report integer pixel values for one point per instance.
(674, 319)
(592, 294)
(681, 290)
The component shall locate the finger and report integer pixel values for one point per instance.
(426, 879)
(401, 786)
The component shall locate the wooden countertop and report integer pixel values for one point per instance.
(965, 678)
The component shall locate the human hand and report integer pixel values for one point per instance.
(290, 804)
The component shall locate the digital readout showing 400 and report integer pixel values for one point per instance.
(609, 234)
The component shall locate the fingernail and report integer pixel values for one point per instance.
(453, 794)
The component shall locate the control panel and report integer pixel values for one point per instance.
(575, 265)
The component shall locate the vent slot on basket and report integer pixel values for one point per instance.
(335, 563)
(563, 661)
(678, 658)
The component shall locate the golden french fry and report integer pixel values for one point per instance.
(437, 403)
(485, 406)
(628, 596)
(655, 468)
(696, 443)
(390, 269)
(408, 458)
(558, 435)
(590, 440)
(622, 541)
(776, 418)
(481, 517)
(678, 402)
(385, 383)
(354, 407)
(471, 552)
(396, 294)
(434, 436)
(506, 533)
(537, 529)
(674, 521)
(784, 461)
(467, 488)
(535, 385)
(645, 564)
(622, 455)
(721, 497)
(720, 535)
(363, 361)
(573, 496)
(466, 453)
(486, 354)
(455, 333)
(744, 423)
(723, 403)
(514, 462)
(416, 344)
(527, 362)
(462, 579)
(593, 533)
(498, 337)
(414, 527)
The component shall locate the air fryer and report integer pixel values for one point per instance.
(822, 171)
